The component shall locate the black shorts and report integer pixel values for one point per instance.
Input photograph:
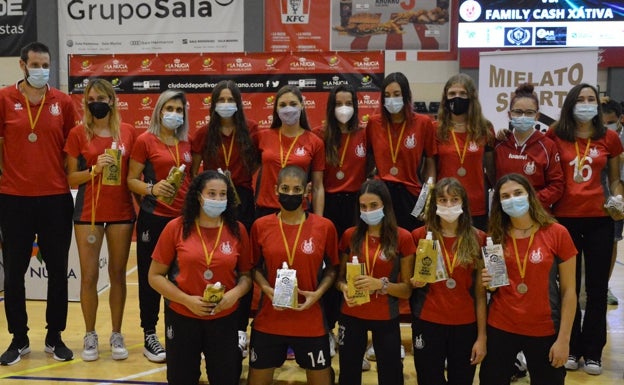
(124, 222)
(269, 351)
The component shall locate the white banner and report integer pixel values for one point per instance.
(553, 72)
(150, 26)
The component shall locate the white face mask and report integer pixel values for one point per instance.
(344, 113)
(449, 213)
(585, 112)
(38, 77)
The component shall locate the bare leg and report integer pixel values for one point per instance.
(260, 376)
(118, 238)
(319, 377)
(89, 271)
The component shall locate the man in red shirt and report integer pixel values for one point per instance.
(35, 202)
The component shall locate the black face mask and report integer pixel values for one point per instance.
(458, 105)
(290, 202)
(99, 109)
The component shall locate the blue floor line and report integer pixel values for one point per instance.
(32, 378)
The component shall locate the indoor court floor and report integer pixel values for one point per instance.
(38, 368)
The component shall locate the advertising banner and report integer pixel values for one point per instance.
(551, 71)
(343, 25)
(140, 78)
(149, 26)
(18, 25)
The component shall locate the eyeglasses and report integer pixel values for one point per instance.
(519, 113)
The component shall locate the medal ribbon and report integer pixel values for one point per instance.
(30, 119)
(283, 161)
(206, 254)
(368, 267)
(461, 155)
(450, 263)
(344, 150)
(579, 165)
(176, 158)
(394, 152)
(289, 253)
(227, 156)
(522, 267)
(95, 198)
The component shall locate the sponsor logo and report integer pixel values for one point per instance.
(146, 85)
(303, 64)
(551, 36)
(335, 81)
(295, 11)
(303, 83)
(470, 10)
(115, 66)
(238, 65)
(518, 36)
(177, 66)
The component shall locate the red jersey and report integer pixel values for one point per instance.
(308, 152)
(114, 202)
(317, 248)
(584, 199)
(474, 179)
(537, 159)
(353, 169)
(417, 139)
(158, 158)
(439, 304)
(240, 175)
(380, 307)
(231, 257)
(537, 312)
(35, 168)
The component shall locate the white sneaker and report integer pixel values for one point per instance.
(153, 350)
(332, 344)
(90, 350)
(593, 367)
(572, 364)
(366, 366)
(242, 342)
(370, 353)
(118, 347)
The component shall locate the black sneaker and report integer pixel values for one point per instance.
(19, 347)
(59, 351)
(153, 350)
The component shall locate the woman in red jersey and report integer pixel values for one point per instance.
(400, 140)
(588, 149)
(464, 143)
(308, 244)
(388, 254)
(101, 208)
(449, 317)
(527, 151)
(164, 145)
(289, 142)
(205, 246)
(535, 312)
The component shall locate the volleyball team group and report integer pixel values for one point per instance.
(253, 202)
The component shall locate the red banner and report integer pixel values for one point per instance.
(140, 78)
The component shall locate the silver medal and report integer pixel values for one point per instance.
(208, 274)
(340, 175)
(578, 178)
(522, 288)
(451, 283)
(91, 238)
(461, 171)
(394, 170)
(32, 137)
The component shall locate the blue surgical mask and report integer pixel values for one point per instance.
(289, 115)
(172, 120)
(226, 110)
(214, 208)
(523, 123)
(394, 105)
(516, 206)
(372, 217)
(585, 112)
(38, 77)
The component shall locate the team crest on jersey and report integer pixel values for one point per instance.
(419, 343)
(170, 332)
(145, 237)
(473, 147)
(18, 107)
(594, 152)
(55, 110)
(410, 141)
(360, 150)
(226, 248)
(122, 148)
(300, 151)
(536, 256)
(529, 168)
(187, 157)
(308, 246)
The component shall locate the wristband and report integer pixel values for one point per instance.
(150, 189)
(384, 285)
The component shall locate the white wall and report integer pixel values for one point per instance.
(10, 70)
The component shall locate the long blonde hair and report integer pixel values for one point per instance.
(102, 87)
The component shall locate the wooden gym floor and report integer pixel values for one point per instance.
(39, 368)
